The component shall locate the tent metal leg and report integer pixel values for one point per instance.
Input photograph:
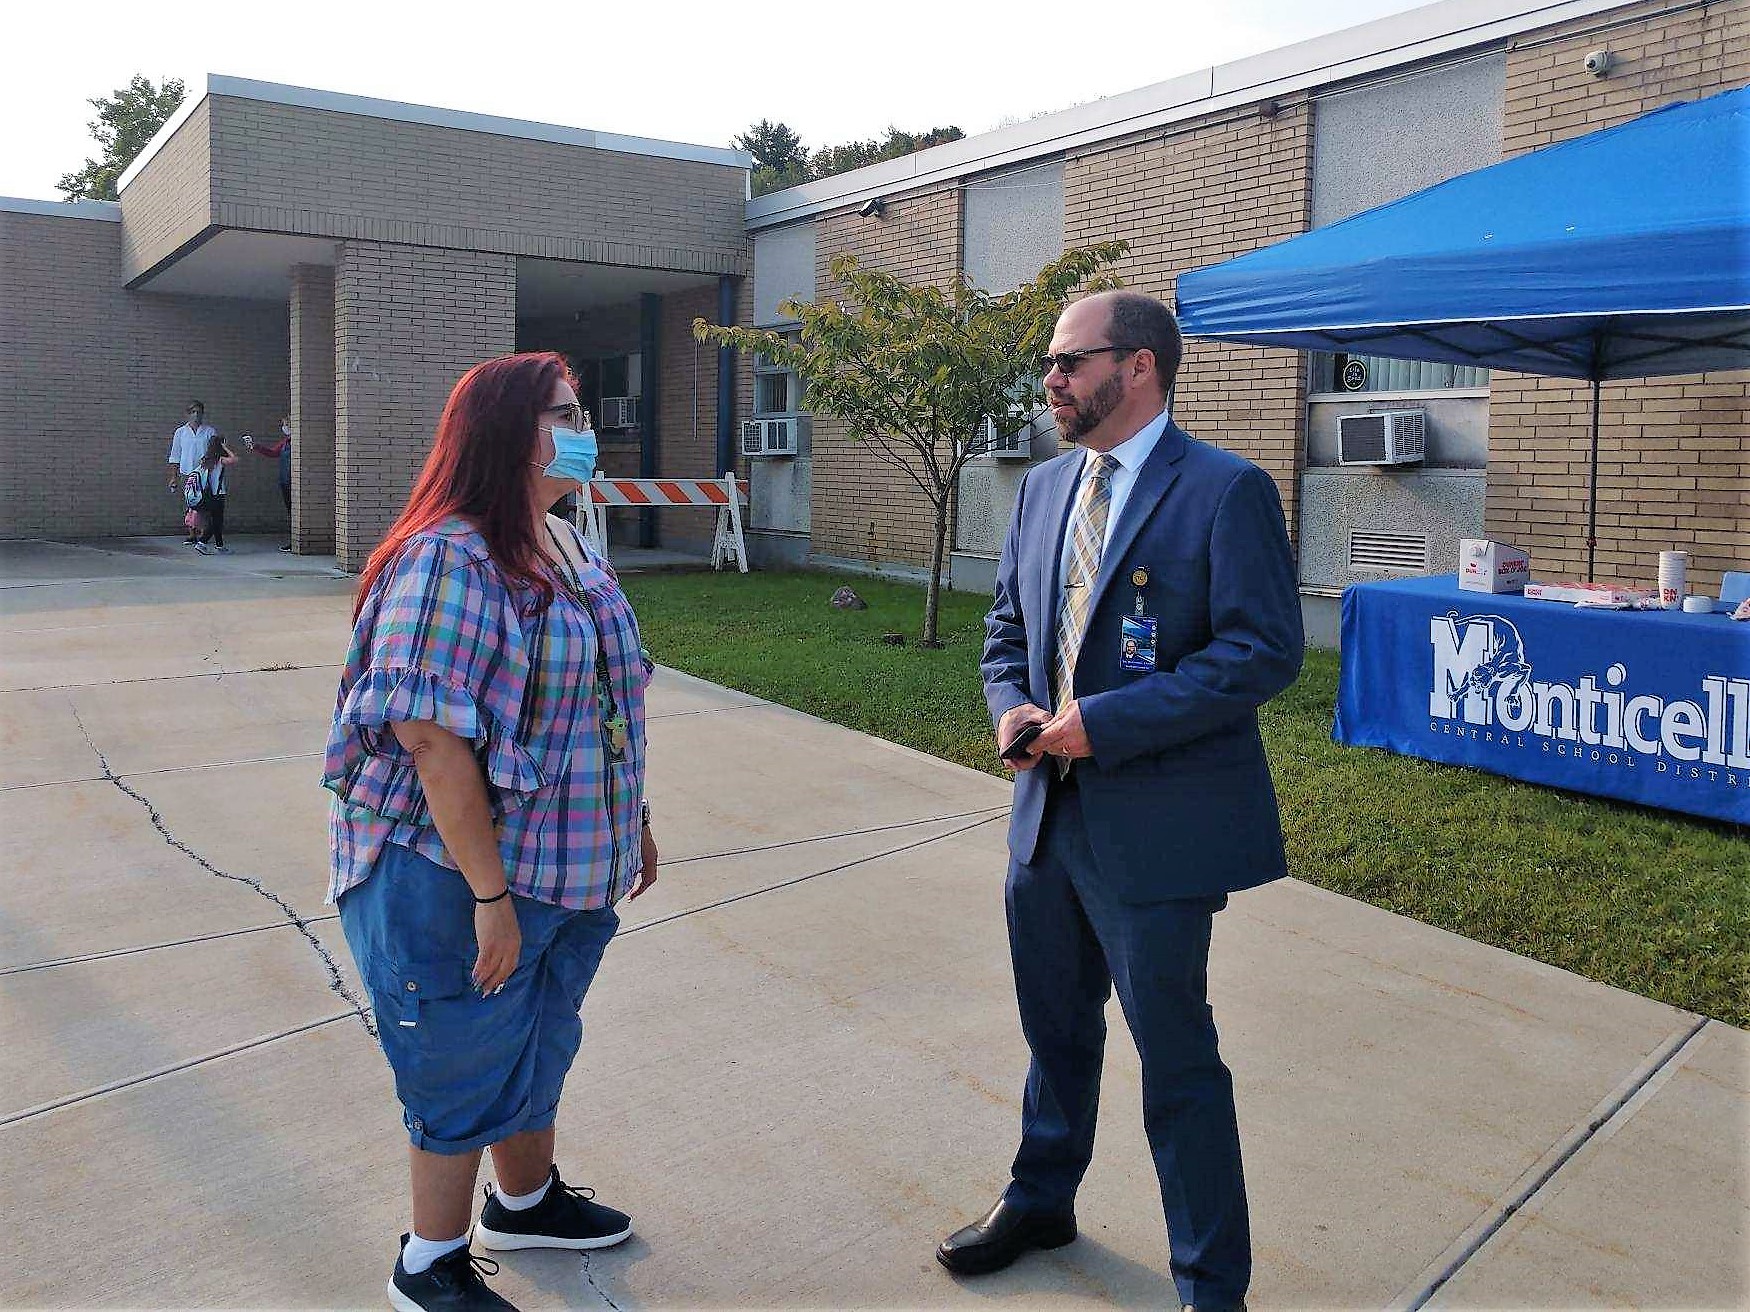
(1592, 497)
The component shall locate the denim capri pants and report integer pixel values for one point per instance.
(469, 1071)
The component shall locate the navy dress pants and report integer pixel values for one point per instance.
(1073, 943)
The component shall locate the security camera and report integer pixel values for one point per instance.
(1600, 62)
(872, 208)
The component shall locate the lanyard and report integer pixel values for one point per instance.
(570, 577)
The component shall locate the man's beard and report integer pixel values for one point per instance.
(1090, 414)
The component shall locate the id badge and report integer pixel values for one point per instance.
(1136, 651)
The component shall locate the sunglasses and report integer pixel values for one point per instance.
(1067, 362)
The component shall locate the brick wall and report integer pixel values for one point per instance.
(285, 168)
(95, 380)
(689, 388)
(408, 323)
(1674, 453)
(1202, 195)
(312, 370)
(863, 509)
(170, 201)
(688, 380)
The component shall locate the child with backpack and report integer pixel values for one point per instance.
(208, 482)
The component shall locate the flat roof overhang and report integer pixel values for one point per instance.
(244, 264)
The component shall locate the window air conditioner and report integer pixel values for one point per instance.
(619, 412)
(1017, 444)
(1386, 437)
(769, 437)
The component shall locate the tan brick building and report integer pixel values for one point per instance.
(346, 259)
(1217, 163)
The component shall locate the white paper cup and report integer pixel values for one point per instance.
(1673, 578)
(1694, 605)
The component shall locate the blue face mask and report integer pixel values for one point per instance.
(574, 454)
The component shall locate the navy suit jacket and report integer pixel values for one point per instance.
(1177, 796)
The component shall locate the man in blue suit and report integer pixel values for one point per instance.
(1145, 608)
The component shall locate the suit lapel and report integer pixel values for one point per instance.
(1157, 474)
(1057, 510)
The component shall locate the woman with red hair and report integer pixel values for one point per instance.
(487, 765)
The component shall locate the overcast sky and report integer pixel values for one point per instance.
(676, 70)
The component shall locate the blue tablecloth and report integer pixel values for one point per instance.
(1647, 706)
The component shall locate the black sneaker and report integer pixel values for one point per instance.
(565, 1218)
(452, 1283)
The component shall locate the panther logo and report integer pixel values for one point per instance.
(1502, 671)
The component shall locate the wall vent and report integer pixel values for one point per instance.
(1401, 553)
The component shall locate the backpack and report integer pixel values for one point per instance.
(193, 489)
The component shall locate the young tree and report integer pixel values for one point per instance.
(915, 371)
(125, 122)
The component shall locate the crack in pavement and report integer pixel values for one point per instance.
(589, 1278)
(336, 981)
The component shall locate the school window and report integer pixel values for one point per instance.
(776, 390)
(1340, 374)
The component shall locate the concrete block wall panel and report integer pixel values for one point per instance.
(1441, 506)
(1674, 467)
(312, 332)
(1388, 138)
(1207, 193)
(783, 270)
(1014, 226)
(97, 378)
(408, 323)
(288, 168)
(861, 508)
(170, 202)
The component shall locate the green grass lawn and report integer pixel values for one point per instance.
(1640, 899)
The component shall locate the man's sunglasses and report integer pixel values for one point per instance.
(1069, 361)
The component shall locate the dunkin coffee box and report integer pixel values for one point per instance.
(1589, 594)
(1486, 566)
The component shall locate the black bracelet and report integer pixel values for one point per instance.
(497, 897)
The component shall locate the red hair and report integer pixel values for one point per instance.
(478, 469)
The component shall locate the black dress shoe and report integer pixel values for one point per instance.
(1006, 1232)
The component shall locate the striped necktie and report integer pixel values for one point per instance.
(1087, 541)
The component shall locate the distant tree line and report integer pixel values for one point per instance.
(781, 160)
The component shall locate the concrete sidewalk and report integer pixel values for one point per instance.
(802, 1064)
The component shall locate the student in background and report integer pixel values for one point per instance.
(212, 507)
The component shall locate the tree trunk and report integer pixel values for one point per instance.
(938, 552)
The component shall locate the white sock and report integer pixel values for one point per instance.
(419, 1253)
(522, 1202)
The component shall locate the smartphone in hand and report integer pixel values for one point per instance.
(1017, 750)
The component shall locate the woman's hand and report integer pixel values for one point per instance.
(500, 939)
(646, 876)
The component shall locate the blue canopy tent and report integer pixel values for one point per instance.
(1624, 253)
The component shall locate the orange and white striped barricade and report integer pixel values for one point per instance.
(727, 493)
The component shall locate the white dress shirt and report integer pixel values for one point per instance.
(1131, 454)
(188, 447)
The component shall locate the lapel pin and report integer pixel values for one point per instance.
(1140, 578)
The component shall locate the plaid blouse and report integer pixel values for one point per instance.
(444, 637)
